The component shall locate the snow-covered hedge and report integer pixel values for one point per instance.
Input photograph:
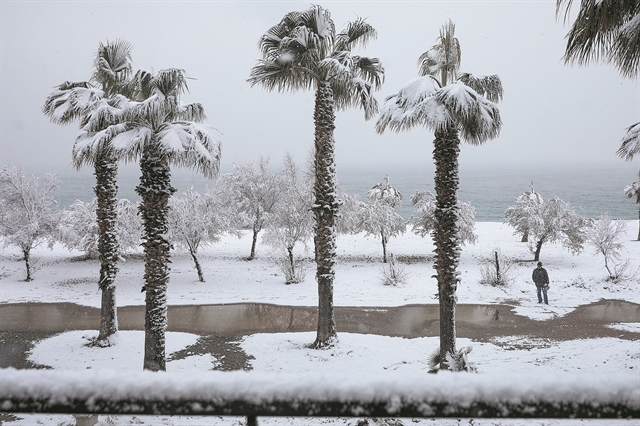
(391, 395)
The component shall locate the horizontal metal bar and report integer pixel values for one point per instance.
(254, 394)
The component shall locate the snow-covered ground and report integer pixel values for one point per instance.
(575, 281)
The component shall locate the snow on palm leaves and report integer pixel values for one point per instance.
(452, 105)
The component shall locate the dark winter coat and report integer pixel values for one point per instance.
(540, 277)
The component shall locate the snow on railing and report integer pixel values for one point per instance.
(254, 394)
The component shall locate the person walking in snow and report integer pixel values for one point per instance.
(541, 279)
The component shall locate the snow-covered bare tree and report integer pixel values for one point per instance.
(28, 212)
(253, 189)
(423, 221)
(633, 191)
(197, 220)
(552, 221)
(78, 228)
(156, 129)
(378, 217)
(75, 101)
(453, 106)
(291, 220)
(606, 236)
(304, 52)
(518, 215)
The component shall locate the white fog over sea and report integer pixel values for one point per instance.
(590, 189)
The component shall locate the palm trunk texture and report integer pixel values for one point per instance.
(106, 190)
(325, 209)
(446, 237)
(155, 190)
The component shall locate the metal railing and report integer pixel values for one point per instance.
(253, 395)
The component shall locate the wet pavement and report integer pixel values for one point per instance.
(221, 326)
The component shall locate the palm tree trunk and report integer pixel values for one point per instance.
(446, 237)
(155, 190)
(106, 190)
(325, 209)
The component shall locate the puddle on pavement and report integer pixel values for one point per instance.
(473, 321)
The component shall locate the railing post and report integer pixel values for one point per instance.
(252, 420)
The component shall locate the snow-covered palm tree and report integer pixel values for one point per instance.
(453, 106)
(157, 131)
(607, 30)
(75, 101)
(304, 52)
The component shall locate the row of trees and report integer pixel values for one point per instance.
(138, 117)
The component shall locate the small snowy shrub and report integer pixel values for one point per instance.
(294, 272)
(605, 236)
(496, 270)
(393, 273)
(457, 361)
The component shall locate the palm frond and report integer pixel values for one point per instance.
(101, 117)
(113, 65)
(488, 86)
(355, 93)
(192, 145)
(477, 118)
(333, 69)
(594, 35)
(280, 75)
(141, 85)
(170, 82)
(357, 33)
(71, 101)
(369, 69)
(319, 20)
(625, 52)
(443, 59)
(630, 143)
(89, 144)
(415, 104)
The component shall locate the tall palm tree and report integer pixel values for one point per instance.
(607, 30)
(73, 101)
(453, 106)
(304, 52)
(158, 132)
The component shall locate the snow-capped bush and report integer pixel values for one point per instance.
(497, 269)
(456, 361)
(393, 273)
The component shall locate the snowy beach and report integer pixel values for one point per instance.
(62, 276)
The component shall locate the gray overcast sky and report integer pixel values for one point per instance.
(551, 112)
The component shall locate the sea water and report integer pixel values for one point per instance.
(590, 189)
